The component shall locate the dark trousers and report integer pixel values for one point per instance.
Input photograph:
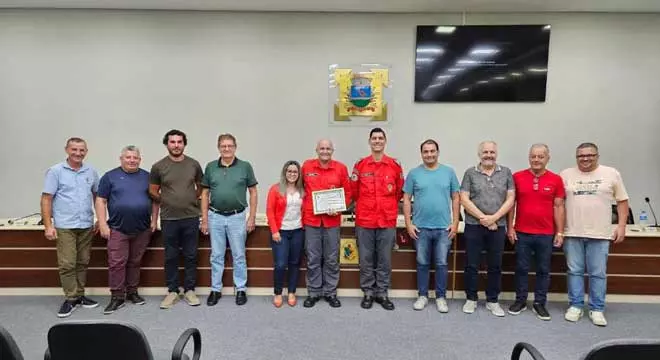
(478, 238)
(124, 258)
(541, 247)
(287, 253)
(180, 234)
(375, 251)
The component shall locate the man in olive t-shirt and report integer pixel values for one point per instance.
(175, 183)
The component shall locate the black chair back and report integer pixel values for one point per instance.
(98, 340)
(637, 349)
(8, 348)
(615, 216)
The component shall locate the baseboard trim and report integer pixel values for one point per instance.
(263, 291)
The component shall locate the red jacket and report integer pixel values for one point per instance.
(315, 177)
(275, 208)
(377, 187)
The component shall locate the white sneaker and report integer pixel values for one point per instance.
(441, 304)
(495, 309)
(470, 306)
(597, 318)
(573, 314)
(421, 302)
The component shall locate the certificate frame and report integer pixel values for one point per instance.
(330, 200)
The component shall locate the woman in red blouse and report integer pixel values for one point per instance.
(283, 210)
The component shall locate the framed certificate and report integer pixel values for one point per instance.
(327, 201)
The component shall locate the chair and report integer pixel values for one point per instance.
(109, 340)
(533, 352)
(637, 349)
(8, 348)
(615, 216)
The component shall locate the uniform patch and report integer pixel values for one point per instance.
(312, 174)
(354, 177)
(389, 187)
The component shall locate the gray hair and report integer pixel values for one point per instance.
(484, 143)
(540, 146)
(133, 148)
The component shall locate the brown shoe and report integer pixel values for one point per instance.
(292, 300)
(191, 298)
(277, 301)
(169, 301)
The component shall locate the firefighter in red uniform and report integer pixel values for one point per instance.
(322, 230)
(376, 183)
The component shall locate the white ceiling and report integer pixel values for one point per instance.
(353, 5)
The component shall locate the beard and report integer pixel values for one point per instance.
(175, 153)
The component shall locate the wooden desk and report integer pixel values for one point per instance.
(27, 259)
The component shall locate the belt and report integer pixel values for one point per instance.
(227, 212)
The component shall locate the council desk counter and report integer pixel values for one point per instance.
(27, 259)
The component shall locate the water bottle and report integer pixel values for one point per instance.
(643, 220)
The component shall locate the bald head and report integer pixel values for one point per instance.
(326, 143)
(324, 149)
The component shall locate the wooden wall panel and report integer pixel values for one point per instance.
(27, 259)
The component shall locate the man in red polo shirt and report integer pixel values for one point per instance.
(539, 222)
(377, 183)
(322, 230)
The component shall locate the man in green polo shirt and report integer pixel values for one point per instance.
(224, 184)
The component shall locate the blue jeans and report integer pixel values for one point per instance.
(287, 252)
(592, 253)
(477, 238)
(436, 242)
(180, 234)
(233, 228)
(541, 247)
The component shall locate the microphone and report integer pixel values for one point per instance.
(648, 201)
(13, 221)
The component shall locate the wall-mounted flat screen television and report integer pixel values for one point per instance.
(481, 63)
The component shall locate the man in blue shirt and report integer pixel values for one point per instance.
(433, 187)
(67, 202)
(124, 191)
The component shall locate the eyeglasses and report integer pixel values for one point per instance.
(535, 186)
(586, 156)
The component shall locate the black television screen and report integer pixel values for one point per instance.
(487, 63)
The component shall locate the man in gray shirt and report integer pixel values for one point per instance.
(487, 194)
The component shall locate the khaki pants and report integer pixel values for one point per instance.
(73, 249)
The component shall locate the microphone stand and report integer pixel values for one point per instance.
(648, 201)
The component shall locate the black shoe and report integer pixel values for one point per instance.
(333, 301)
(115, 304)
(87, 303)
(213, 298)
(241, 298)
(541, 312)
(385, 302)
(311, 301)
(135, 298)
(367, 302)
(517, 307)
(67, 308)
